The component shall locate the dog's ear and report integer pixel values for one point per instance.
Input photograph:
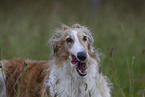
(65, 27)
(94, 53)
(90, 39)
(54, 42)
(55, 48)
(76, 26)
(59, 49)
(90, 50)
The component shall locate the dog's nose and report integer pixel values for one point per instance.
(81, 56)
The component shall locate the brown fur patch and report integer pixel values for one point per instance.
(24, 77)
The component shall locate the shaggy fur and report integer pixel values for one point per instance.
(24, 77)
(58, 77)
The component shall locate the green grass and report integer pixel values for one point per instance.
(26, 27)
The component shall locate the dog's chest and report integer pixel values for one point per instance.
(63, 82)
(64, 85)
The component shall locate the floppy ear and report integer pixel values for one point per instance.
(52, 45)
(91, 50)
(55, 48)
(76, 26)
(90, 39)
(94, 53)
(54, 42)
(65, 27)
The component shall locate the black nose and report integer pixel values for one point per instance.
(81, 56)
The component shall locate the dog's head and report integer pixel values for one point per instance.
(74, 43)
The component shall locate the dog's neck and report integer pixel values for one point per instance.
(65, 82)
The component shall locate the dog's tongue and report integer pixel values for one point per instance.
(82, 67)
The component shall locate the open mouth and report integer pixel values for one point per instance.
(81, 67)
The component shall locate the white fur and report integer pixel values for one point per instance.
(65, 82)
(2, 84)
(77, 47)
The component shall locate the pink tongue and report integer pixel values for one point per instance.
(82, 67)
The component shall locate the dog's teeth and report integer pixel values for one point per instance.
(84, 66)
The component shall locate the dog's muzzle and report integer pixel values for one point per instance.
(80, 62)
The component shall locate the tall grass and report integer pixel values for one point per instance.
(25, 28)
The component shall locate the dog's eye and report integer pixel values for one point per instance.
(69, 40)
(85, 38)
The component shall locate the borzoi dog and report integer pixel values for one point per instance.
(73, 70)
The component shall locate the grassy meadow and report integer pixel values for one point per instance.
(118, 31)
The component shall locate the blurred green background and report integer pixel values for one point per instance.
(118, 27)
